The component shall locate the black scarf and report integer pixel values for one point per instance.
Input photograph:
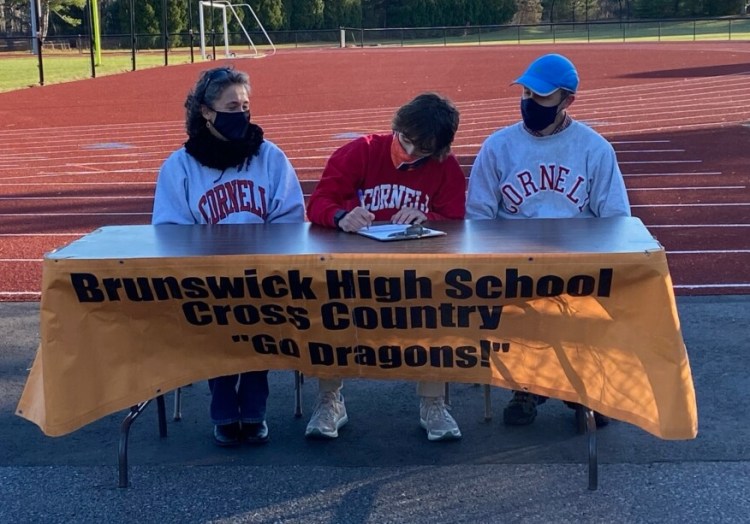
(221, 154)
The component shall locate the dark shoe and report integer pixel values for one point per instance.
(227, 435)
(255, 433)
(521, 410)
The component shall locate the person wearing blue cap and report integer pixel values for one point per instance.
(548, 165)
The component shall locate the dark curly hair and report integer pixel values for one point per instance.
(207, 89)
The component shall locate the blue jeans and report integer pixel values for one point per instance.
(246, 403)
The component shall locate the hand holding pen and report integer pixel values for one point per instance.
(358, 217)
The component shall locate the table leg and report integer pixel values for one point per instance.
(177, 414)
(135, 411)
(162, 410)
(487, 403)
(593, 461)
(298, 381)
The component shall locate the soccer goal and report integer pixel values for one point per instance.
(228, 9)
(350, 37)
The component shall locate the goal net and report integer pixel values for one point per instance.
(228, 10)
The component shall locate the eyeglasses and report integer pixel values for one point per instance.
(406, 141)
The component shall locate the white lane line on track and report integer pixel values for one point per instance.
(657, 161)
(631, 151)
(695, 173)
(150, 197)
(710, 286)
(45, 168)
(718, 226)
(618, 142)
(59, 148)
(648, 226)
(101, 214)
(711, 252)
(80, 184)
(70, 197)
(708, 204)
(686, 188)
(94, 127)
(88, 171)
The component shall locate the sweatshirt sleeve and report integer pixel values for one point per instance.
(337, 188)
(608, 195)
(286, 204)
(171, 196)
(483, 196)
(449, 202)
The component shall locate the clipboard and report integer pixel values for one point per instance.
(391, 232)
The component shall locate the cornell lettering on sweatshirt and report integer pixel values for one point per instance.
(548, 178)
(395, 196)
(234, 196)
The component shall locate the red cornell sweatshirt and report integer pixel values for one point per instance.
(438, 189)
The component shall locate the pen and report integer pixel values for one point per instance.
(361, 196)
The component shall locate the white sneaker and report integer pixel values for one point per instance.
(329, 415)
(435, 419)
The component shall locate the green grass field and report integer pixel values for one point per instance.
(22, 69)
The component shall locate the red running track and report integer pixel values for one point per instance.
(85, 154)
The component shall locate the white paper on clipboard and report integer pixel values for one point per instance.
(390, 232)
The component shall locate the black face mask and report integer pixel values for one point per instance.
(232, 126)
(536, 116)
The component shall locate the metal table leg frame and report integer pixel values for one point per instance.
(161, 409)
(587, 424)
(177, 414)
(487, 403)
(135, 412)
(299, 379)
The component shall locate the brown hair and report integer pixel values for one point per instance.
(430, 122)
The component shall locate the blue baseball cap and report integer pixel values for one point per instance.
(548, 73)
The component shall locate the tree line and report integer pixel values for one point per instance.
(69, 17)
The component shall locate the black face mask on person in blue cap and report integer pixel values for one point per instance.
(536, 116)
(232, 126)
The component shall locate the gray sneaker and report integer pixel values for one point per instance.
(435, 419)
(329, 415)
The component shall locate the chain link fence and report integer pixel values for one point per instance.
(134, 51)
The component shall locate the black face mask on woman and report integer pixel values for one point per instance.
(232, 126)
(536, 116)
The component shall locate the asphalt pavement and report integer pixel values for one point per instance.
(382, 468)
